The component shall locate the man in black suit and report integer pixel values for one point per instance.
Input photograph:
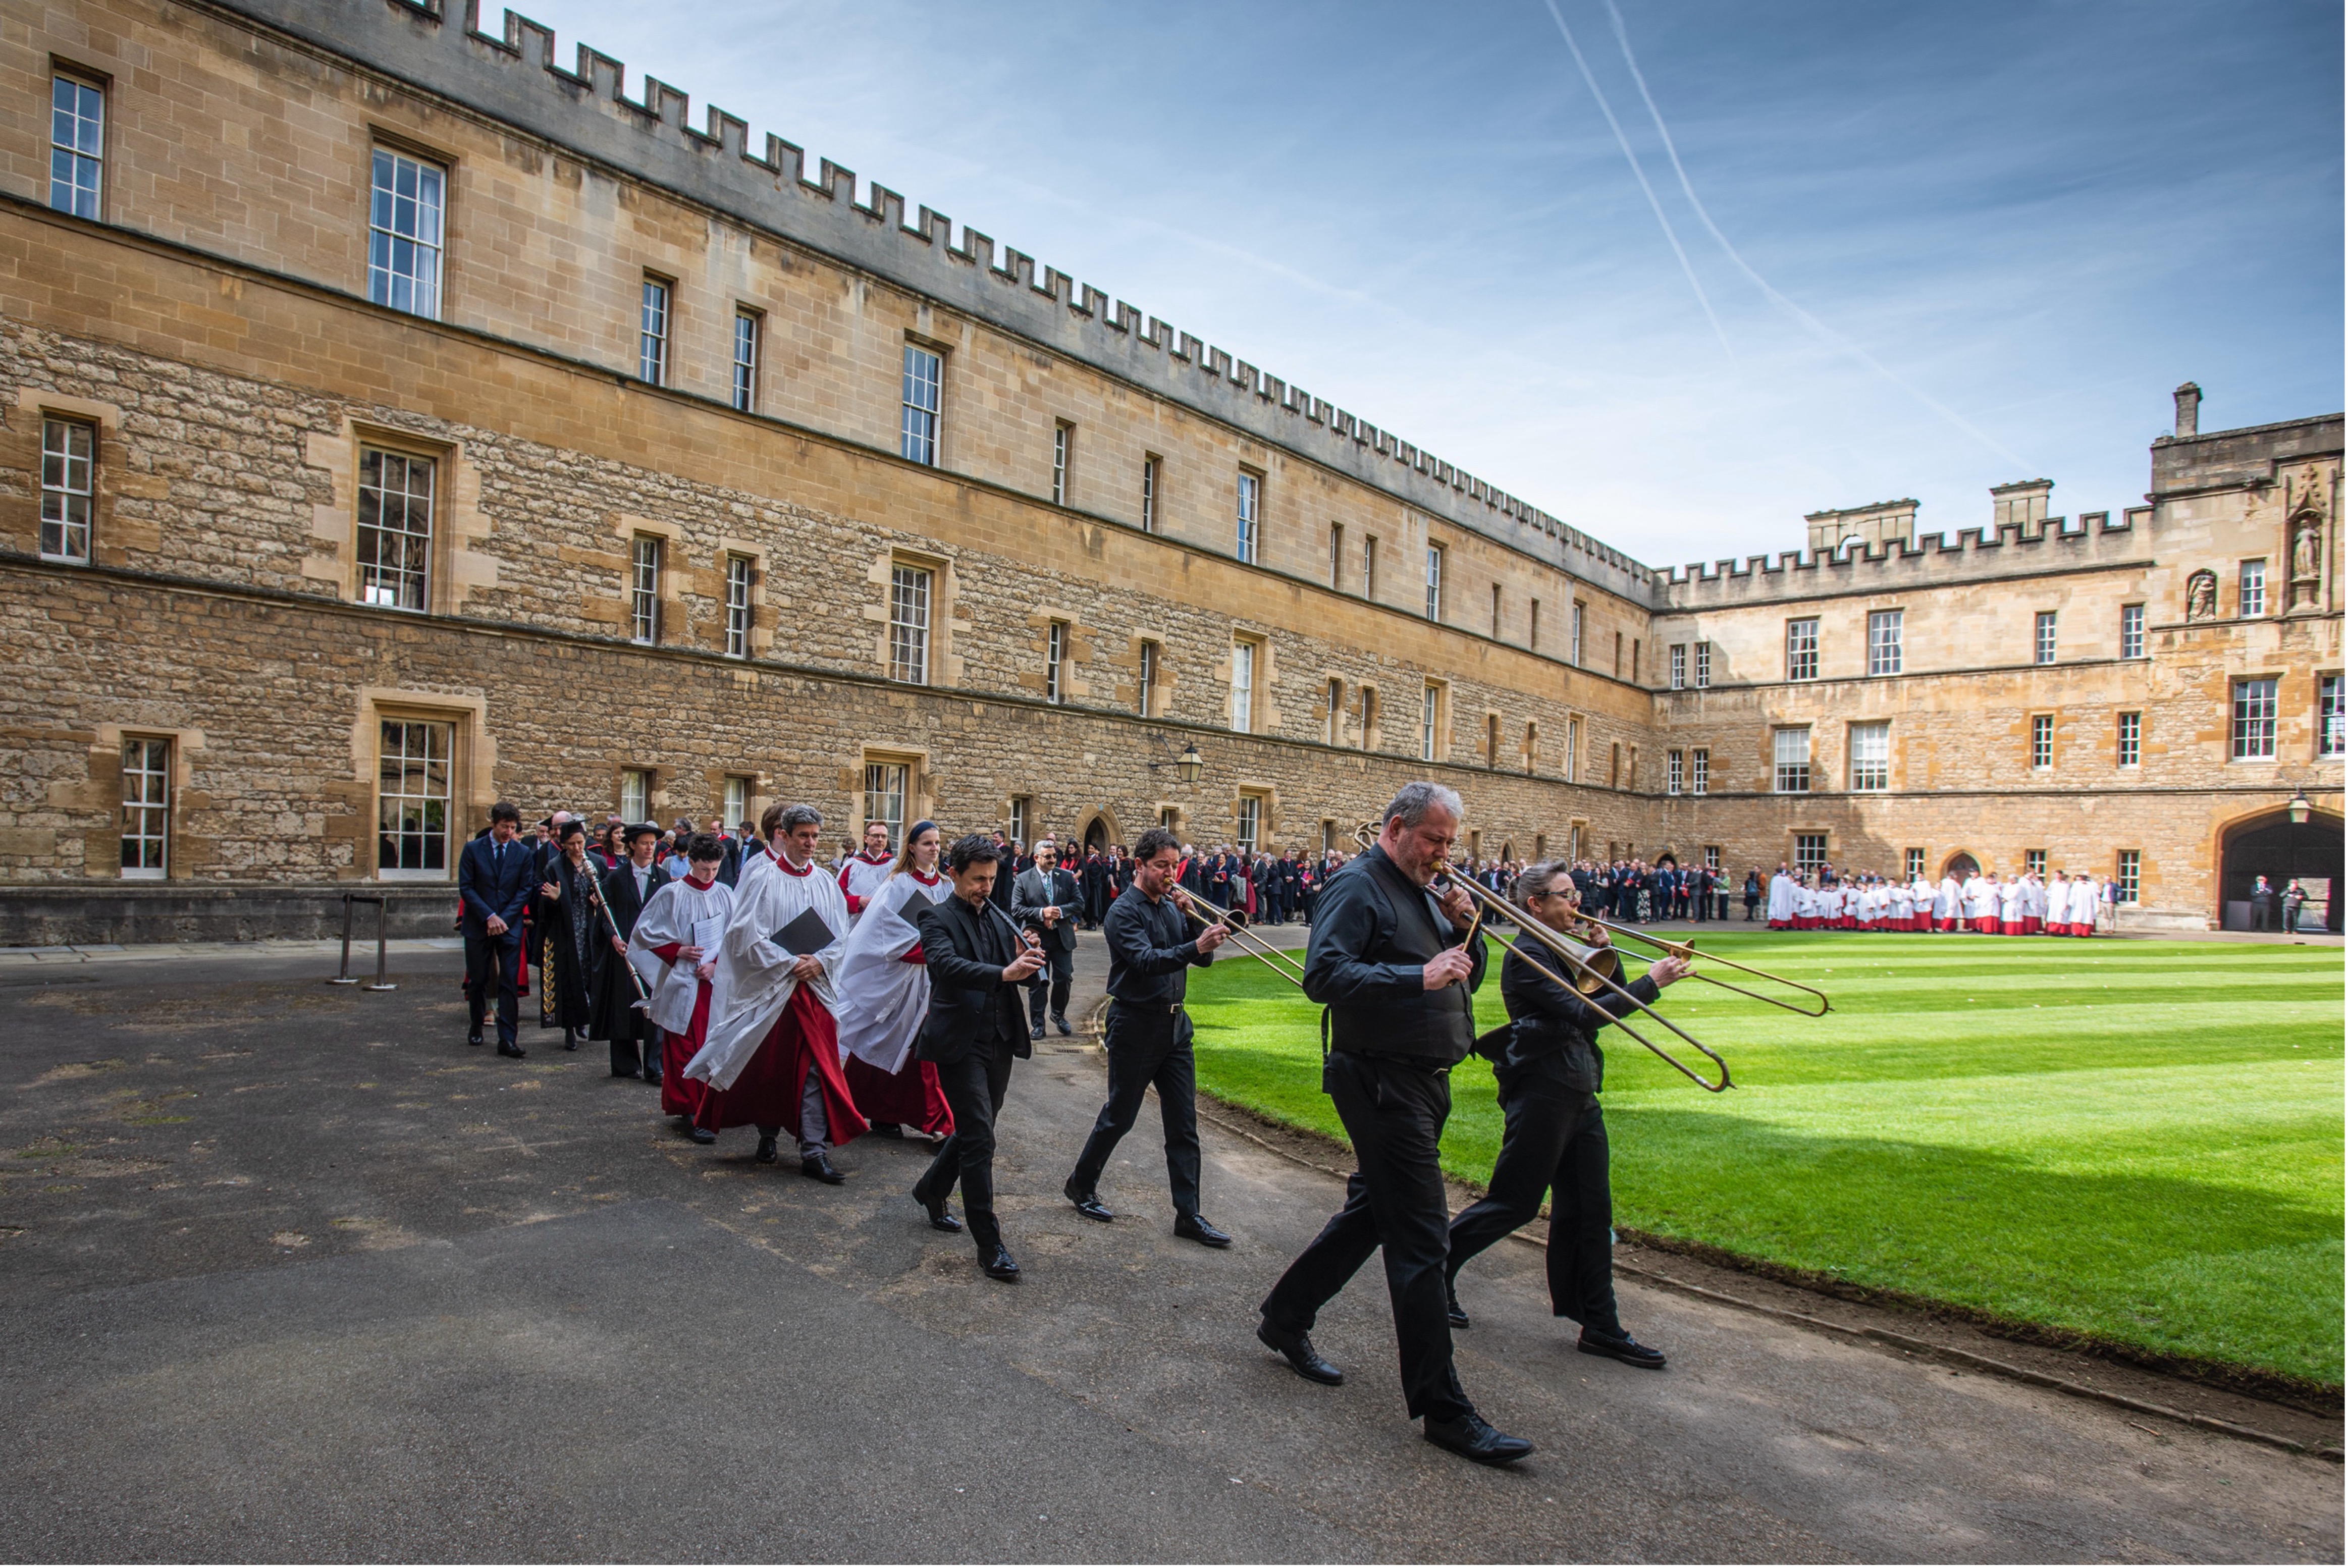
(1044, 899)
(977, 961)
(626, 890)
(495, 879)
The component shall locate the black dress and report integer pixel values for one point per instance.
(574, 955)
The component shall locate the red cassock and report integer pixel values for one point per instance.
(767, 1094)
(910, 1096)
(681, 1096)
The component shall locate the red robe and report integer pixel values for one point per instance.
(911, 1098)
(804, 1039)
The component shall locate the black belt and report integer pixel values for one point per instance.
(1149, 1007)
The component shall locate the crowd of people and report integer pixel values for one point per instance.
(890, 989)
(2025, 904)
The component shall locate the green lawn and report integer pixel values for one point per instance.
(2139, 1140)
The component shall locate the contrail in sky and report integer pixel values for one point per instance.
(1624, 143)
(1825, 334)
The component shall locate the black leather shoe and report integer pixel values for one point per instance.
(1035, 1032)
(474, 1038)
(511, 1051)
(940, 1218)
(1060, 1022)
(821, 1169)
(998, 1264)
(1087, 1203)
(766, 1155)
(1472, 1438)
(703, 1135)
(1297, 1350)
(1195, 1228)
(1457, 1313)
(1623, 1349)
(570, 1039)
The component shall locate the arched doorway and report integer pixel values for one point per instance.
(2271, 845)
(1097, 834)
(1960, 866)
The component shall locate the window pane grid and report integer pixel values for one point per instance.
(1148, 677)
(1055, 649)
(1699, 770)
(2131, 631)
(412, 798)
(1243, 687)
(1702, 665)
(1149, 495)
(2131, 739)
(2254, 588)
(644, 592)
(924, 373)
(1428, 723)
(1435, 582)
(652, 333)
(1792, 754)
(1809, 853)
(2042, 649)
(2254, 721)
(1883, 641)
(2042, 740)
(737, 607)
(746, 361)
(404, 233)
(77, 147)
(1802, 650)
(2332, 718)
(884, 796)
(1059, 465)
(68, 484)
(909, 625)
(1251, 823)
(1675, 772)
(394, 528)
(1679, 665)
(146, 807)
(1249, 541)
(1871, 758)
(2131, 875)
(635, 795)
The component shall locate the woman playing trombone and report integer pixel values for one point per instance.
(1550, 1069)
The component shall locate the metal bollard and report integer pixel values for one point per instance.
(382, 916)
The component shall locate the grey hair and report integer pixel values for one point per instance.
(1536, 879)
(794, 817)
(1413, 801)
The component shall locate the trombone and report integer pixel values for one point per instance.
(1254, 946)
(1595, 969)
(1686, 952)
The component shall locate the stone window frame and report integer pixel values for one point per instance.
(1247, 514)
(464, 722)
(1153, 487)
(1886, 651)
(1254, 721)
(1571, 754)
(437, 586)
(386, 138)
(1057, 634)
(2042, 743)
(656, 345)
(1801, 647)
(731, 548)
(1791, 775)
(647, 558)
(1530, 750)
(1700, 771)
(2273, 719)
(1869, 776)
(655, 796)
(935, 412)
(741, 638)
(1063, 459)
(1266, 799)
(1492, 739)
(1573, 641)
(105, 796)
(1435, 720)
(2132, 642)
(40, 405)
(2331, 716)
(1679, 665)
(1674, 771)
(743, 373)
(945, 663)
(67, 423)
(918, 786)
(2043, 636)
(1371, 715)
(2127, 738)
(1149, 674)
(168, 806)
(1332, 709)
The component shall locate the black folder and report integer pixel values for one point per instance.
(910, 907)
(806, 934)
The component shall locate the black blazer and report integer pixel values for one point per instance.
(485, 890)
(1028, 895)
(966, 950)
(619, 895)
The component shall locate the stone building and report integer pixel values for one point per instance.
(398, 417)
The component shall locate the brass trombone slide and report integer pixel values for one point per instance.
(1688, 950)
(1249, 942)
(1586, 970)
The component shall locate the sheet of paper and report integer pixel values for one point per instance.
(707, 934)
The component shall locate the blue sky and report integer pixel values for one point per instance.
(1978, 241)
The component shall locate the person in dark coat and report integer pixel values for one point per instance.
(493, 888)
(574, 938)
(634, 1037)
(1554, 1141)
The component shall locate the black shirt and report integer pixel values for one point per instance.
(1549, 1021)
(1150, 950)
(1373, 931)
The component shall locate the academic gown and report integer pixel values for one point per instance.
(682, 999)
(617, 1017)
(884, 995)
(575, 948)
(768, 1031)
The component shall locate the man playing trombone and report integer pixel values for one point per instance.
(1549, 1070)
(1388, 961)
(1148, 1035)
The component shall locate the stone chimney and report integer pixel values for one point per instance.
(2189, 410)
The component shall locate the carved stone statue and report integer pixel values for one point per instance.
(2201, 597)
(2305, 547)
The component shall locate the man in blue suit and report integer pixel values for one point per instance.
(494, 879)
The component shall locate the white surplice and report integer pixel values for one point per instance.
(686, 916)
(754, 973)
(883, 999)
(1781, 897)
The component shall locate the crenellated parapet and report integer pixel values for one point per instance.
(514, 75)
(1971, 555)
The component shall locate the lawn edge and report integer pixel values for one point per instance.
(1334, 1156)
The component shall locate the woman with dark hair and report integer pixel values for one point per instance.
(566, 912)
(884, 995)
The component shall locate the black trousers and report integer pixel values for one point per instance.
(1149, 1048)
(493, 962)
(1554, 1143)
(974, 1087)
(1060, 964)
(1394, 1113)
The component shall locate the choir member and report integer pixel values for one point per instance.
(861, 873)
(1781, 899)
(884, 995)
(772, 1060)
(1948, 902)
(675, 946)
(2009, 905)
